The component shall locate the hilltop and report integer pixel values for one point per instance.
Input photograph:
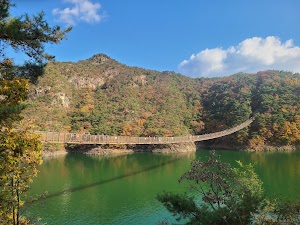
(102, 96)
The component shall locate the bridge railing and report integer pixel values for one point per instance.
(75, 138)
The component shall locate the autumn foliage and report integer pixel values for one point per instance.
(102, 96)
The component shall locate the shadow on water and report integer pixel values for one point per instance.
(83, 187)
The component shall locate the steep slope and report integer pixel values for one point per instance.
(99, 95)
(102, 96)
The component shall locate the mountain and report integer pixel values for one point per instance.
(102, 96)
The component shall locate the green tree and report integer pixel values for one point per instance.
(222, 194)
(279, 212)
(20, 150)
(229, 195)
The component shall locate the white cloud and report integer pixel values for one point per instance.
(249, 56)
(81, 10)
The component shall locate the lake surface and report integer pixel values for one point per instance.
(122, 189)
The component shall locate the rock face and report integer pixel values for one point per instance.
(62, 100)
(87, 82)
(166, 149)
(284, 148)
(176, 148)
(98, 150)
(52, 150)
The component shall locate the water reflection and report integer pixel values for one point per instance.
(122, 189)
(73, 172)
(120, 162)
(279, 171)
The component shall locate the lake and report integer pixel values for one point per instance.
(122, 189)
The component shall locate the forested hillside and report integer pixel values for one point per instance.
(102, 96)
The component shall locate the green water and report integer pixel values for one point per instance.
(121, 190)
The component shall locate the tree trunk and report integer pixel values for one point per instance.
(18, 206)
(13, 204)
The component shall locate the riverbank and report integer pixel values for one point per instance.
(52, 150)
(261, 148)
(266, 148)
(49, 151)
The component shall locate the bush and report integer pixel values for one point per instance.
(228, 196)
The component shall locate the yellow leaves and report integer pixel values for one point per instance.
(140, 122)
(167, 133)
(6, 63)
(297, 121)
(289, 108)
(127, 129)
(66, 128)
(284, 110)
(86, 108)
(15, 91)
(147, 114)
(20, 142)
(134, 127)
(265, 132)
(20, 154)
(197, 126)
(290, 131)
(245, 89)
(292, 81)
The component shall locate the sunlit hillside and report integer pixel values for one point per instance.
(102, 96)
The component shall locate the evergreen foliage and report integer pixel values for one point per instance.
(102, 96)
(20, 149)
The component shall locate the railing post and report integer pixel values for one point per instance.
(105, 139)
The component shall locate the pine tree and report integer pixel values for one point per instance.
(20, 149)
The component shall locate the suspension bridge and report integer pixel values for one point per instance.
(78, 138)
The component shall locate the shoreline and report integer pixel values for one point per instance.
(264, 148)
(165, 149)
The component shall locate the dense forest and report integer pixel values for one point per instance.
(102, 96)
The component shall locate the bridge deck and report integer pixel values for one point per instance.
(75, 138)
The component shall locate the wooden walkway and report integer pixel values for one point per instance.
(75, 138)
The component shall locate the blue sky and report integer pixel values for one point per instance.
(199, 38)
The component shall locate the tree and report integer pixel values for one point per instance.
(279, 212)
(229, 195)
(20, 154)
(20, 150)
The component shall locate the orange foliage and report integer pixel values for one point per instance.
(265, 132)
(290, 131)
(127, 129)
(86, 108)
(67, 128)
(167, 133)
(256, 143)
